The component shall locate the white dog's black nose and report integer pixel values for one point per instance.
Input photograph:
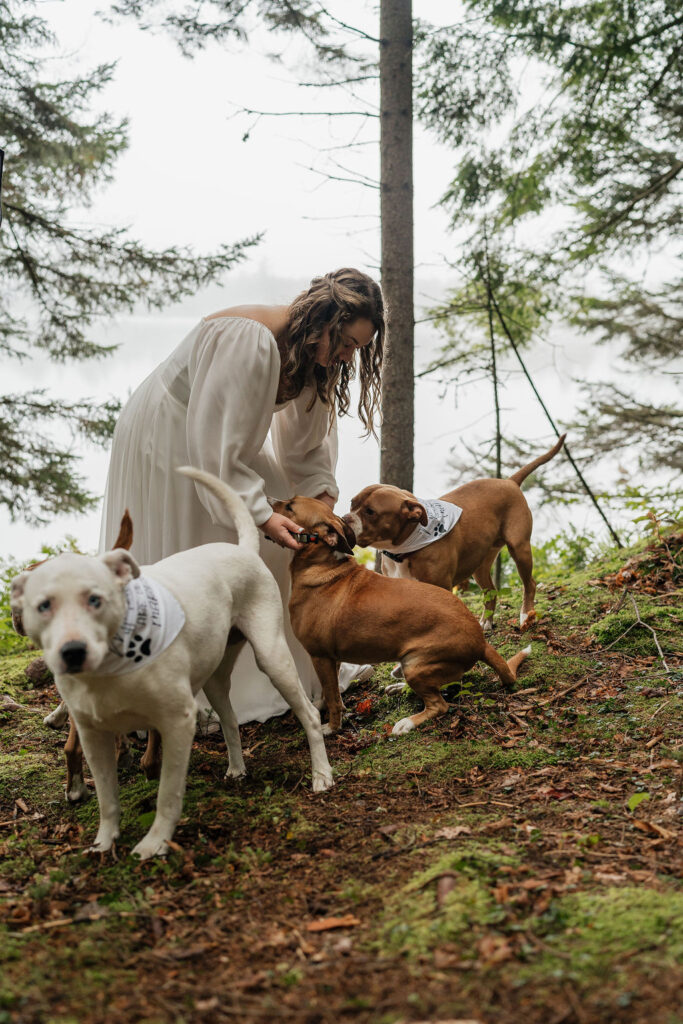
(73, 655)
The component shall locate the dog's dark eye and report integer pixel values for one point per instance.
(94, 601)
(44, 606)
(289, 508)
(370, 511)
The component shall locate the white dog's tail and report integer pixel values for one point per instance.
(247, 531)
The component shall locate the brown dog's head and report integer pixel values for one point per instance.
(316, 517)
(382, 514)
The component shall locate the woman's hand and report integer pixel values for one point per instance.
(327, 498)
(280, 529)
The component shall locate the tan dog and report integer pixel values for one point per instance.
(494, 514)
(341, 611)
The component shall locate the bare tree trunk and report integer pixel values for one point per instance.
(396, 154)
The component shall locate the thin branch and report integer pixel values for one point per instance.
(349, 28)
(343, 81)
(306, 113)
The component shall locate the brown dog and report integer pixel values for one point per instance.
(494, 514)
(150, 762)
(341, 611)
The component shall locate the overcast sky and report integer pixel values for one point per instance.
(188, 178)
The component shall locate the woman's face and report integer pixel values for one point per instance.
(355, 334)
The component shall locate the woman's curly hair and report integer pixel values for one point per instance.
(331, 301)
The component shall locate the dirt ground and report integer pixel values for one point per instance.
(518, 860)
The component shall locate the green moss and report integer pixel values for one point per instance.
(13, 673)
(593, 930)
(399, 756)
(413, 923)
(622, 631)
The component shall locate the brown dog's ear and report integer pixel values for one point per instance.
(17, 602)
(413, 510)
(337, 538)
(125, 537)
(122, 564)
(350, 536)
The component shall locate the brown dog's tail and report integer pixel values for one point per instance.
(505, 670)
(520, 476)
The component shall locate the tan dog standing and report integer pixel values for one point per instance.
(341, 611)
(494, 514)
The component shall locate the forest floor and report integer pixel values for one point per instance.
(519, 859)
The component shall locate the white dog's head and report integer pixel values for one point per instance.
(72, 606)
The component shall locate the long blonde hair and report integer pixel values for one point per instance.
(331, 301)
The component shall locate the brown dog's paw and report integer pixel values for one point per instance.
(527, 621)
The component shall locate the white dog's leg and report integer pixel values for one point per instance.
(57, 718)
(100, 753)
(217, 690)
(177, 736)
(274, 658)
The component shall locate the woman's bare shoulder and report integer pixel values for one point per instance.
(272, 317)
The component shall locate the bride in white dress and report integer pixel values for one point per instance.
(252, 394)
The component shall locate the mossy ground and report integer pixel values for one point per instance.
(494, 866)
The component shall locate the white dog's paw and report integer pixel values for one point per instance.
(150, 846)
(327, 729)
(77, 791)
(57, 718)
(397, 671)
(103, 843)
(402, 727)
(394, 688)
(237, 771)
(322, 781)
(486, 624)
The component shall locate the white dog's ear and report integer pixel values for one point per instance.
(17, 602)
(414, 511)
(122, 564)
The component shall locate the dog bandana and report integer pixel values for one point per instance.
(441, 518)
(152, 621)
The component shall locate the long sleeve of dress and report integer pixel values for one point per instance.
(233, 378)
(306, 446)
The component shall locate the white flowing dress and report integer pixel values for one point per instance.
(212, 404)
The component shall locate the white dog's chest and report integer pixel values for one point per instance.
(120, 704)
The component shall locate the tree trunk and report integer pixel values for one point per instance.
(396, 155)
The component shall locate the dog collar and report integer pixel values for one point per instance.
(395, 558)
(303, 538)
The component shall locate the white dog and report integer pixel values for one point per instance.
(130, 651)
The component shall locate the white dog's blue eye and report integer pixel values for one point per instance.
(44, 606)
(94, 601)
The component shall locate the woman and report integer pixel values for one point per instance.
(239, 374)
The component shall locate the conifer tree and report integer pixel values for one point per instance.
(59, 276)
(580, 189)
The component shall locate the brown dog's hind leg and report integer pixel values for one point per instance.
(523, 559)
(505, 670)
(150, 762)
(76, 788)
(483, 577)
(328, 675)
(426, 683)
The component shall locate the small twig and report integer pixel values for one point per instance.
(18, 821)
(563, 693)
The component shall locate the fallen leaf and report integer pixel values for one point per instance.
(325, 924)
(653, 829)
(452, 832)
